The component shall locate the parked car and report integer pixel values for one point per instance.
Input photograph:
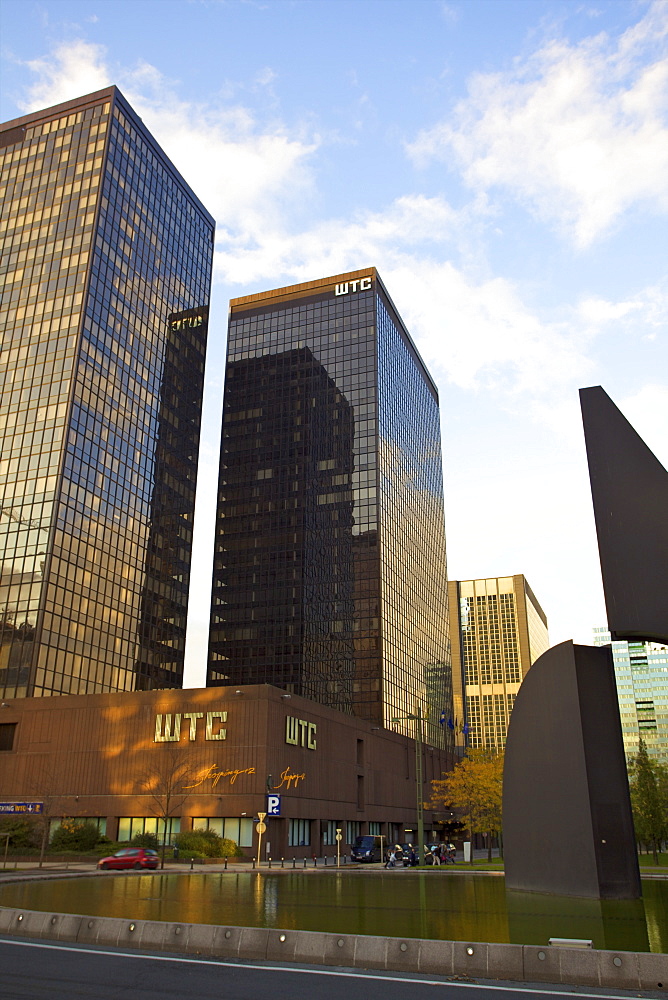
(367, 848)
(130, 857)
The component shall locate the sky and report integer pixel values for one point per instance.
(503, 164)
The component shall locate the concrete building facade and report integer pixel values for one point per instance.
(641, 675)
(223, 755)
(498, 630)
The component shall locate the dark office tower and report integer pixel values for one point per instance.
(329, 575)
(107, 262)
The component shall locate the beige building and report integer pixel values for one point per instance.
(498, 630)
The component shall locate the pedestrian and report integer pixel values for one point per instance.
(391, 858)
(412, 856)
(434, 854)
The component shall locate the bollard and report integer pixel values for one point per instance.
(192, 864)
(315, 861)
(325, 861)
(225, 864)
(270, 861)
(253, 862)
(294, 862)
(304, 862)
(282, 862)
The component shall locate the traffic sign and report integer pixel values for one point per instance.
(274, 805)
(261, 816)
(261, 827)
(21, 808)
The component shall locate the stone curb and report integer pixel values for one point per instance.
(510, 962)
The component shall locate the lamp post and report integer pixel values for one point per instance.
(417, 717)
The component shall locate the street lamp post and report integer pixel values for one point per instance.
(417, 717)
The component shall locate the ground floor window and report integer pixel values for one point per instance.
(238, 830)
(374, 829)
(353, 829)
(299, 833)
(329, 833)
(130, 826)
(99, 821)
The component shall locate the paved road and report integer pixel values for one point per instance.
(40, 971)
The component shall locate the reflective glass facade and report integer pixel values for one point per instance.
(329, 567)
(103, 319)
(641, 674)
(501, 630)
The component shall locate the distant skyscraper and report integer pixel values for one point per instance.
(329, 571)
(641, 674)
(103, 328)
(498, 630)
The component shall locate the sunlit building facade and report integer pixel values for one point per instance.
(107, 262)
(641, 674)
(498, 630)
(329, 567)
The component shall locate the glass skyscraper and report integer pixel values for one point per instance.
(106, 270)
(329, 569)
(641, 674)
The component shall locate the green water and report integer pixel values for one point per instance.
(416, 904)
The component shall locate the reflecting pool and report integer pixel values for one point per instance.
(415, 904)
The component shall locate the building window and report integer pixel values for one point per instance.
(353, 829)
(329, 833)
(299, 833)
(374, 829)
(7, 730)
(130, 826)
(99, 821)
(238, 830)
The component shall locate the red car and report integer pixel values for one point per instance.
(130, 857)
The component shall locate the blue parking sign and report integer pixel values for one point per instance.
(273, 805)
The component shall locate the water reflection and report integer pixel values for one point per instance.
(616, 925)
(441, 906)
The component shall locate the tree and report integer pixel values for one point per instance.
(164, 782)
(474, 788)
(52, 806)
(648, 781)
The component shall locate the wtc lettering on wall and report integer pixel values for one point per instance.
(299, 732)
(351, 286)
(169, 731)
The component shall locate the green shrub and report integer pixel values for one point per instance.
(24, 834)
(205, 844)
(73, 835)
(148, 841)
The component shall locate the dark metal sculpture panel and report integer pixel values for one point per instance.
(568, 828)
(630, 493)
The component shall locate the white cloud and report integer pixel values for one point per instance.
(579, 133)
(75, 68)
(246, 175)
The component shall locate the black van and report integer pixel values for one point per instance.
(367, 849)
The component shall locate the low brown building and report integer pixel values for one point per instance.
(174, 760)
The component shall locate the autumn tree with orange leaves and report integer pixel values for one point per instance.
(474, 789)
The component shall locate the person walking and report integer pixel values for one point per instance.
(391, 859)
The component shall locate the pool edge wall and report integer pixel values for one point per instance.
(511, 962)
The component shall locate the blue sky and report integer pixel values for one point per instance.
(503, 164)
